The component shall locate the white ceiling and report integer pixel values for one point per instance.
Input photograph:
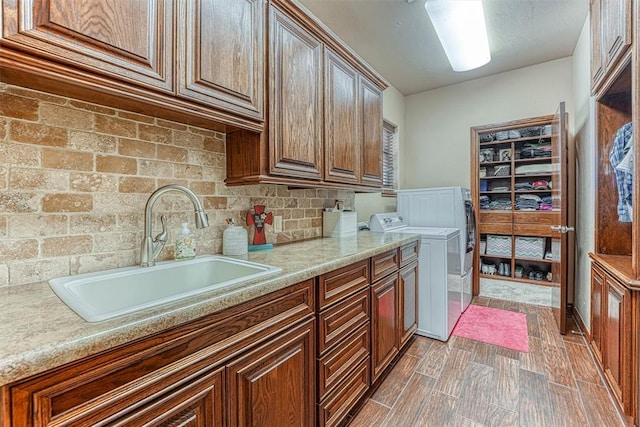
(397, 38)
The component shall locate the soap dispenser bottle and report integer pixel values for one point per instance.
(235, 240)
(185, 244)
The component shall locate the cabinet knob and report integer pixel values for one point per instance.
(562, 228)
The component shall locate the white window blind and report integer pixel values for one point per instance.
(389, 157)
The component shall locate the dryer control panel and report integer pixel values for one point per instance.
(388, 221)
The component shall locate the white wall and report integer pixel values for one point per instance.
(584, 126)
(437, 125)
(393, 111)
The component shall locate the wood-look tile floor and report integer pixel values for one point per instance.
(470, 383)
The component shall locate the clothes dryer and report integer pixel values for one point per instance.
(445, 207)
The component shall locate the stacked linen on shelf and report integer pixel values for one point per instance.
(541, 168)
(535, 150)
(538, 184)
(500, 204)
(519, 186)
(528, 202)
(546, 204)
(485, 202)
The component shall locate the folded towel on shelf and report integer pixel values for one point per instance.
(500, 204)
(534, 169)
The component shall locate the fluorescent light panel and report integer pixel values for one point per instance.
(462, 31)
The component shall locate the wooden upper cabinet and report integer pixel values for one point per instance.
(616, 28)
(324, 112)
(597, 65)
(371, 133)
(611, 27)
(295, 99)
(130, 40)
(222, 54)
(342, 144)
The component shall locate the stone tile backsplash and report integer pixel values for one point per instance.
(75, 178)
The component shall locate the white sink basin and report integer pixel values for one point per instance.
(110, 293)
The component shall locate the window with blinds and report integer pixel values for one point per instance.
(389, 157)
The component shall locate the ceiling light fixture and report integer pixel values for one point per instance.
(462, 31)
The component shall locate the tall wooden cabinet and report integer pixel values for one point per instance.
(615, 267)
(519, 188)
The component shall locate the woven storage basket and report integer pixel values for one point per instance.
(530, 247)
(502, 170)
(498, 245)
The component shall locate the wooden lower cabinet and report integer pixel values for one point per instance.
(258, 355)
(407, 302)
(273, 385)
(617, 333)
(597, 292)
(384, 324)
(343, 341)
(334, 409)
(613, 337)
(199, 403)
(277, 360)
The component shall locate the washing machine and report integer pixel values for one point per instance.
(439, 274)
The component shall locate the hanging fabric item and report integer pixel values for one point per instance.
(621, 163)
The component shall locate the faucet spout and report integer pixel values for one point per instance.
(151, 247)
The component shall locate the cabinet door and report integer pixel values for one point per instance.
(597, 65)
(273, 385)
(129, 40)
(342, 147)
(597, 289)
(617, 335)
(371, 133)
(221, 48)
(295, 99)
(616, 29)
(384, 330)
(198, 404)
(408, 303)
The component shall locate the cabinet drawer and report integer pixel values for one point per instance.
(340, 401)
(339, 362)
(540, 218)
(340, 283)
(383, 264)
(495, 228)
(495, 216)
(200, 401)
(542, 230)
(337, 322)
(408, 253)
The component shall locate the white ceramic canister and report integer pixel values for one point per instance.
(235, 240)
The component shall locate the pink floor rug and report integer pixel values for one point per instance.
(491, 325)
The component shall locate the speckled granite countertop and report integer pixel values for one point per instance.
(38, 331)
